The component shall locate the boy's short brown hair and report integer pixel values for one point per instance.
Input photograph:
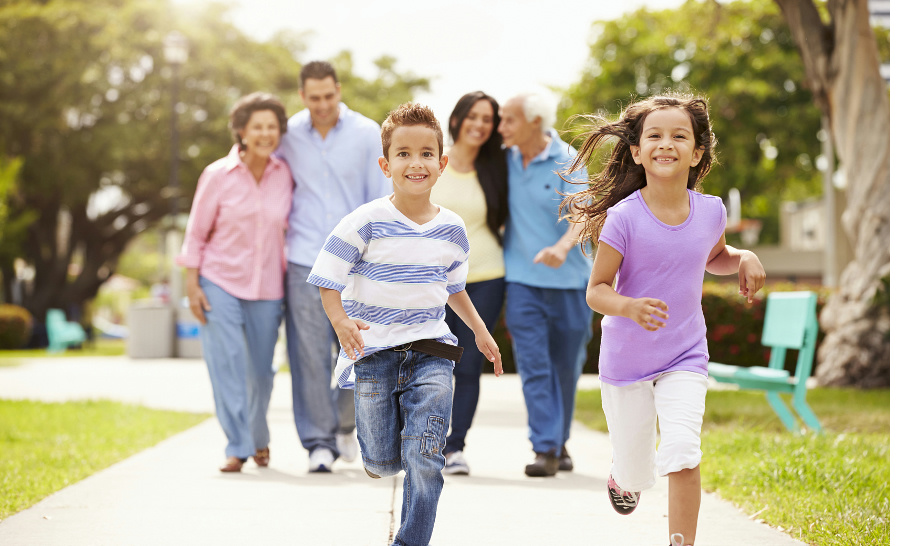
(407, 115)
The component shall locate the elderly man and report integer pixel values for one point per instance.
(546, 275)
(333, 155)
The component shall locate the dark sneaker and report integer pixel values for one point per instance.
(623, 502)
(565, 461)
(545, 464)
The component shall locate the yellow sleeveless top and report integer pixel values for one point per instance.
(461, 193)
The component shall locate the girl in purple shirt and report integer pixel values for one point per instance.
(655, 235)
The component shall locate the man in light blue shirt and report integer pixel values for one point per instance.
(333, 155)
(546, 276)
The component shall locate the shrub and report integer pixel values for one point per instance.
(733, 328)
(15, 326)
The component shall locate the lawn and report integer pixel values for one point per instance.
(99, 347)
(826, 489)
(46, 447)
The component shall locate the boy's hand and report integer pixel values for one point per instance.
(751, 275)
(351, 340)
(489, 349)
(648, 313)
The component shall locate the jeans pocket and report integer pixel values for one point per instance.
(366, 385)
(434, 437)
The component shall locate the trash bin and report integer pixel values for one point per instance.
(187, 335)
(151, 330)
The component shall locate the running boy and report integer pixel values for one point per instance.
(656, 235)
(385, 274)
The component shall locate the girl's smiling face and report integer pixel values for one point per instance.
(475, 129)
(667, 147)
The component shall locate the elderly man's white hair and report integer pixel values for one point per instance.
(539, 104)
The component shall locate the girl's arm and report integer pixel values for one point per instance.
(648, 313)
(726, 260)
(462, 306)
(347, 329)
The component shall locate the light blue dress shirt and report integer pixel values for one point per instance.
(332, 177)
(534, 222)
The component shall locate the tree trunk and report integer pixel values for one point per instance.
(842, 69)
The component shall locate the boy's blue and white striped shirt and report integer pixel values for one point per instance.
(394, 275)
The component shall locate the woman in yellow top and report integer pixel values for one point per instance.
(474, 186)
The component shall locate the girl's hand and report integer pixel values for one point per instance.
(489, 349)
(351, 340)
(198, 301)
(751, 275)
(648, 313)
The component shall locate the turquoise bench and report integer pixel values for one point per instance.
(790, 323)
(62, 333)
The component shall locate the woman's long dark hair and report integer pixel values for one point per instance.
(490, 164)
(622, 176)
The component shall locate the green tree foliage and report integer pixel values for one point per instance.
(86, 102)
(738, 54)
(376, 98)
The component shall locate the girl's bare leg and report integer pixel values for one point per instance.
(684, 503)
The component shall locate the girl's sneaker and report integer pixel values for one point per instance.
(679, 541)
(456, 464)
(623, 502)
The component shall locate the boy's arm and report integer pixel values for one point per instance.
(648, 313)
(462, 306)
(347, 329)
(726, 260)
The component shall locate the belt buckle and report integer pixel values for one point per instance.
(400, 348)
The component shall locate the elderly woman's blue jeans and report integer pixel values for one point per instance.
(238, 345)
(403, 401)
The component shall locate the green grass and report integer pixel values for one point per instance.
(46, 447)
(823, 489)
(99, 347)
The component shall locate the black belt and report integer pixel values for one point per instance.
(432, 347)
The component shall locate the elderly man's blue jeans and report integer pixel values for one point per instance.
(238, 345)
(403, 401)
(550, 329)
(320, 410)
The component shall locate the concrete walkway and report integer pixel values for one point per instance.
(173, 493)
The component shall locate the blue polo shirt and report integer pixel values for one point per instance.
(332, 177)
(534, 222)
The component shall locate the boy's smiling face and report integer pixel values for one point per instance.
(414, 162)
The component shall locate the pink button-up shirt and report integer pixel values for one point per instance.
(235, 232)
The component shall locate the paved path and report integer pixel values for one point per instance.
(173, 494)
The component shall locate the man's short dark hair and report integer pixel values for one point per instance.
(408, 115)
(317, 70)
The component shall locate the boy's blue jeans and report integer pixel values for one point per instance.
(403, 401)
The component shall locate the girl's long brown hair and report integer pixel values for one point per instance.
(622, 176)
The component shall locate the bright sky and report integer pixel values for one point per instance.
(501, 47)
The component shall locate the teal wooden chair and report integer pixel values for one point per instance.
(790, 323)
(62, 333)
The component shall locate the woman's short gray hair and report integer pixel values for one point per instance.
(536, 104)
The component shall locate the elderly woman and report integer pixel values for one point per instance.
(234, 255)
(474, 186)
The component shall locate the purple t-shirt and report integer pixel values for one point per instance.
(664, 262)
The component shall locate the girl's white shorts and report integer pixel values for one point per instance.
(677, 400)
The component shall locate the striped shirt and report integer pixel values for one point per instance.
(235, 232)
(393, 274)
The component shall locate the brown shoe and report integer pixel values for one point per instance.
(262, 457)
(545, 464)
(232, 464)
(565, 461)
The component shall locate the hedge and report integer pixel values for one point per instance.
(15, 326)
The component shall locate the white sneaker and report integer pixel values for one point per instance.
(456, 464)
(347, 446)
(320, 460)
